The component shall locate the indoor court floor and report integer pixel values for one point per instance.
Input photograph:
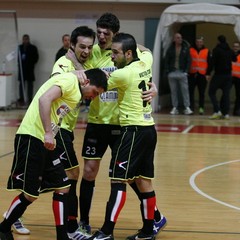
(197, 180)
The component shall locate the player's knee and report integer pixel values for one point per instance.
(90, 170)
(89, 175)
(63, 190)
(29, 198)
(144, 185)
(73, 173)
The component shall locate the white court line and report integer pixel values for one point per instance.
(187, 129)
(3, 123)
(193, 185)
(168, 128)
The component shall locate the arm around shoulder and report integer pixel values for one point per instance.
(143, 49)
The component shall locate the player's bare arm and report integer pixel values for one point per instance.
(82, 78)
(45, 102)
(142, 48)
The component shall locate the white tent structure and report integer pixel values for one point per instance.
(176, 15)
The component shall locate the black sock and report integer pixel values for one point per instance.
(85, 199)
(72, 207)
(133, 185)
(157, 214)
(16, 210)
(116, 202)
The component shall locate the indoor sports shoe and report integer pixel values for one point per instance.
(226, 117)
(216, 115)
(201, 111)
(188, 111)
(159, 226)
(78, 235)
(84, 228)
(6, 236)
(174, 111)
(18, 227)
(140, 235)
(99, 235)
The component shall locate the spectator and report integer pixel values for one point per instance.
(222, 57)
(236, 78)
(199, 72)
(28, 57)
(177, 67)
(66, 45)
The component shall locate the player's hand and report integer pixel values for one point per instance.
(82, 78)
(106, 73)
(49, 141)
(70, 54)
(148, 95)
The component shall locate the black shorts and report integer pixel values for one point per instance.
(65, 149)
(97, 138)
(133, 154)
(34, 168)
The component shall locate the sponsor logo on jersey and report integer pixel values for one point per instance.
(109, 96)
(147, 116)
(109, 69)
(63, 67)
(63, 110)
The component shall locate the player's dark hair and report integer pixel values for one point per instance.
(82, 31)
(109, 21)
(97, 77)
(128, 43)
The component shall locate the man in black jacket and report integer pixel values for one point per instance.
(236, 78)
(222, 57)
(28, 57)
(66, 45)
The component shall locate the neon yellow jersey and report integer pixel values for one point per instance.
(64, 65)
(69, 102)
(104, 108)
(130, 82)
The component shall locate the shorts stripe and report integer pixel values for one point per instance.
(27, 158)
